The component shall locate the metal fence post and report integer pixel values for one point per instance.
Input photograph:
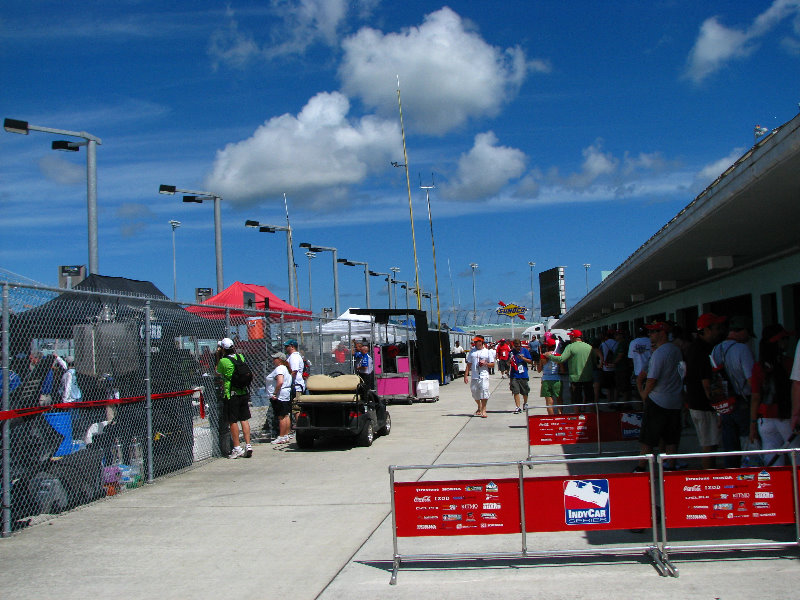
(6, 424)
(148, 390)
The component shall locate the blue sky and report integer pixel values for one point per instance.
(562, 133)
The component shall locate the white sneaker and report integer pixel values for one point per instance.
(236, 452)
(248, 451)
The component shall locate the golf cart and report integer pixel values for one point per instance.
(340, 406)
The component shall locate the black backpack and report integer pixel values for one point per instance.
(242, 376)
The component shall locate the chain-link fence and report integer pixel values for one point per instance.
(104, 390)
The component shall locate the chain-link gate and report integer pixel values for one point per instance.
(105, 389)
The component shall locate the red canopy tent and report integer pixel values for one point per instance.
(233, 297)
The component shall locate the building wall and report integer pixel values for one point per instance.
(766, 292)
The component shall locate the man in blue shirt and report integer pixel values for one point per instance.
(519, 360)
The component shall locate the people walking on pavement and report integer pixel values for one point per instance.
(477, 374)
(661, 390)
(519, 359)
(279, 389)
(492, 357)
(578, 356)
(236, 400)
(503, 350)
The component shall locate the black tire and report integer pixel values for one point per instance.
(304, 440)
(367, 435)
(387, 427)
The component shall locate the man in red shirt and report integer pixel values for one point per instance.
(503, 352)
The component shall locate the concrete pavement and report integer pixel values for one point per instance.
(316, 524)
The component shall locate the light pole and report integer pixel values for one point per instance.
(395, 271)
(91, 142)
(474, 266)
(353, 263)
(198, 198)
(310, 255)
(405, 287)
(533, 301)
(175, 224)
(289, 251)
(586, 266)
(388, 283)
(335, 271)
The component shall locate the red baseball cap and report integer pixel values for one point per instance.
(658, 326)
(576, 333)
(707, 320)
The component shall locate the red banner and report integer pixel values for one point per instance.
(473, 507)
(569, 503)
(35, 410)
(752, 496)
(578, 429)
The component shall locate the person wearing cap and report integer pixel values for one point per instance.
(295, 360)
(279, 386)
(70, 392)
(734, 355)
(503, 353)
(236, 401)
(578, 356)
(520, 358)
(772, 415)
(550, 389)
(477, 374)
(710, 330)
(661, 390)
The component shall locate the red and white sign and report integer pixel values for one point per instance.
(578, 429)
(465, 507)
(568, 503)
(753, 496)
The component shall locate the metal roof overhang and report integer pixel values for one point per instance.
(750, 213)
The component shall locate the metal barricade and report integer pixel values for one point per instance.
(742, 497)
(580, 426)
(522, 505)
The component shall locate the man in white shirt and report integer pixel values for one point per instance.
(295, 361)
(479, 362)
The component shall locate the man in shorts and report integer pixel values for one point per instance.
(551, 380)
(661, 392)
(236, 401)
(503, 352)
(477, 374)
(519, 359)
(710, 330)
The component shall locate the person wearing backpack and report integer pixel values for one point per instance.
(236, 395)
(734, 356)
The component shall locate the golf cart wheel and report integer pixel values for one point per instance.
(367, 435)
(304, 440)
(387, 428)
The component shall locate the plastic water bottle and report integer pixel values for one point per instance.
(136, 461)
(116, 453)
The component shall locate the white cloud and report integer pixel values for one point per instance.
(305, 156)
(299, 25)
(596, 164)
(713, 170)
(448, 73)
(717, 44)
(486, 169)
(62, 171)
